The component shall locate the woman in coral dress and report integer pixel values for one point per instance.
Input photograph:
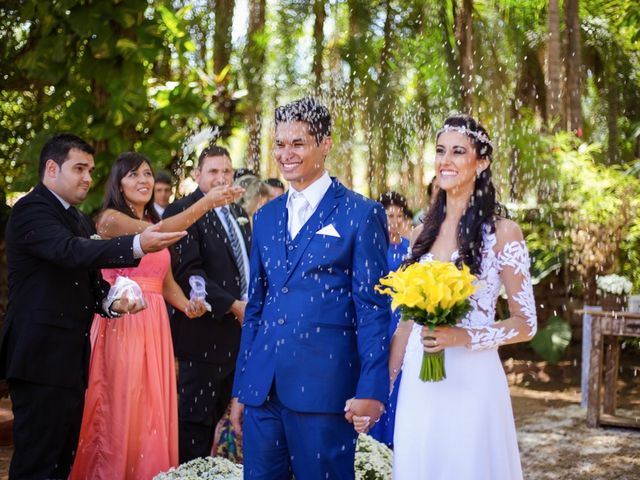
(130, 421)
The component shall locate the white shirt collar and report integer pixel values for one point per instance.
(64, 203)
(158, 208)
(314, 192)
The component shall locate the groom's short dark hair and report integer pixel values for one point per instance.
(58, 147)
(310, 111)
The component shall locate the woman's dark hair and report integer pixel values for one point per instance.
(125, 163)
(480, 212)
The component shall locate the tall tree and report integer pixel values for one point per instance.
(613, 111)
(318, 37)
(253, 66)
(554, 67)
(573, 65)
(222, 47)
(464, 35)
(382, 108)
(444, 26)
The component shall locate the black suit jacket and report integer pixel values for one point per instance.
(206, 251)
(55, 288)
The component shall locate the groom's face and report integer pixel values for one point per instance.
(299, 158)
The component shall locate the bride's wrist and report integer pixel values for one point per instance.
(462, 337)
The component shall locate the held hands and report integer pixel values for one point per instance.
(223, 195)
(363, 413)
(442, 337)
(195, 308)
(153, 240)
(236, 414)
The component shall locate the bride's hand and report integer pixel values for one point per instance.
(442, 337)
(361, 424)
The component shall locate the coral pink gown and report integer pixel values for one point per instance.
(130, 421)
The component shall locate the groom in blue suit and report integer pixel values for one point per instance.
(315, 331)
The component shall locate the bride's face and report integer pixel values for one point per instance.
(457, 162)
(137, 185)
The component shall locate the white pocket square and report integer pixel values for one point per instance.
(329, 230)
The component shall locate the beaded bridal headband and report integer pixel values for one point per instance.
(481, 137)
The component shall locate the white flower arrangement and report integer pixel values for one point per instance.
(614, 284)
(373, 459)
(242, 221)
(373, 462)
(209, 468)
(95, 236)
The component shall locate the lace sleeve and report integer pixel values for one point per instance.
(513, 263)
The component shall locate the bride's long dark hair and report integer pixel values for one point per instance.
(479, 214)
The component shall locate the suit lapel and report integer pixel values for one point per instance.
(66, 217)
(316, 222)
(281, 221)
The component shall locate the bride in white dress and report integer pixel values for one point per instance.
(462, 427)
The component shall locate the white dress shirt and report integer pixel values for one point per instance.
(302, 205)
(159, 209)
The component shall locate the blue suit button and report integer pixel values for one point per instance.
(284, 290)
(280, 321)
(290, 247)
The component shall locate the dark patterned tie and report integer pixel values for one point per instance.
(77, 220)
(237, 250)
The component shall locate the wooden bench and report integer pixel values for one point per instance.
(606, 329)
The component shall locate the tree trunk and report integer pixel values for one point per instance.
(554, 68)
(612, 115)
(574, 64)
(253, 64)
(318, 36)
(423, 117)
(223, 23)
(464, 36)
(384, 107)
(453, 64)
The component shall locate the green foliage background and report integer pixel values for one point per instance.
(145, 74)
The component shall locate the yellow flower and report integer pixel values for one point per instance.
(428, 286)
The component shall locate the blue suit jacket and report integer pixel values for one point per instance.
(313, 322)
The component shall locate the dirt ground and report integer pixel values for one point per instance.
(555, 442)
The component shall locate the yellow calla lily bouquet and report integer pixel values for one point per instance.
(431, 293)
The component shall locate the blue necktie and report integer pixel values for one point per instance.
(237, 250)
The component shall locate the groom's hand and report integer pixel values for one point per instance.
(364, 407)
(237, 411)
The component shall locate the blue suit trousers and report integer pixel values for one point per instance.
(279, 442)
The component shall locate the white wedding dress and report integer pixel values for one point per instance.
(462, 427)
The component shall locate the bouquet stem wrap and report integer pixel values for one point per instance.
(431, 294)
(432, 369)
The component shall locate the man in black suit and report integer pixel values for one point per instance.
(216, 248)
(55, 287)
